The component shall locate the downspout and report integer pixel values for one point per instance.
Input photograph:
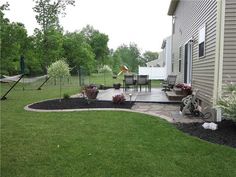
(218, 76)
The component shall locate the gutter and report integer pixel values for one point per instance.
(172, 7)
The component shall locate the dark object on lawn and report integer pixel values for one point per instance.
(4, 96)
(47, 78)
(118, 99)
(102, 87)
(91, 91)
(117, 86)
(78, 103)
(114, 76)
(225, 134)
(66, 96)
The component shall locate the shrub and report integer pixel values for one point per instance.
(66, 96)
(91, 91)
(105, 69)
(186, 88)
(228, 102)
(118, 99)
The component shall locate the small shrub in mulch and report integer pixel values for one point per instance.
(225, 134)
(78, 103)
(118, 99)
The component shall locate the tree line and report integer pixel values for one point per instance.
(87, 48)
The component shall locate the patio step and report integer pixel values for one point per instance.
(178, 91)
(173, 96)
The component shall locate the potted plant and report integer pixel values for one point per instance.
(185, 88)
(116, 84)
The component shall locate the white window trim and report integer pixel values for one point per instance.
(199, 31)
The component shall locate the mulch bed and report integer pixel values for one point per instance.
(78, 103)
(225, 134)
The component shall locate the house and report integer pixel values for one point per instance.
(204, 46)
(160, 68)
(153, 63)
(166, 54)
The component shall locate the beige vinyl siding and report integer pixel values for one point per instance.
(190, 16)
(229, 61)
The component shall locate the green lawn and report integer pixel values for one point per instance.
(100, 144)
(107, 80)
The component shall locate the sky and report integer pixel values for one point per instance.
(144, 22)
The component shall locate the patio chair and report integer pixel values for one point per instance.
(143, 80)
(128, 81)
(169, 83)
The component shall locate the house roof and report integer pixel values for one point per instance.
(173, 6)
(163, 44)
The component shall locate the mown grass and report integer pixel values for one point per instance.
(107, 80)
(100, 143)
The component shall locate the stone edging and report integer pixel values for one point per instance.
(98, 109)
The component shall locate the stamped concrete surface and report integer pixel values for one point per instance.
(170, 112)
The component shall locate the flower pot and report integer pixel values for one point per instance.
(117, 86)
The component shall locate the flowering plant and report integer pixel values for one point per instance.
(118, 99)
(91, 91)
(186, 88)
(228, 101)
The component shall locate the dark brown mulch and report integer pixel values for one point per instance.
(225, 134)
(77, 103)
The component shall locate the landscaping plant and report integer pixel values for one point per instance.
(66, 96)
(186, 88)
(91, 91)
(118, 99)
(59, 69)
(228, 102)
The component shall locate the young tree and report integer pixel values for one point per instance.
(59, 69)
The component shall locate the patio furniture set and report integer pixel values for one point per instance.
(137, 81)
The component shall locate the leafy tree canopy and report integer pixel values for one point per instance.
(99, 43)
(48, 12)
(59, 69)
(130, 56)
(149, 56)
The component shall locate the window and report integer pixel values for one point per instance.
(180, 57)
(180, 52)
(201, 41)
(172, 66)
(180, 63)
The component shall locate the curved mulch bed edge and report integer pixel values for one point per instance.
(77, 103)
(224, 135)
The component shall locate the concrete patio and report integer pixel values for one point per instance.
(154, 103)
(155, 96)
